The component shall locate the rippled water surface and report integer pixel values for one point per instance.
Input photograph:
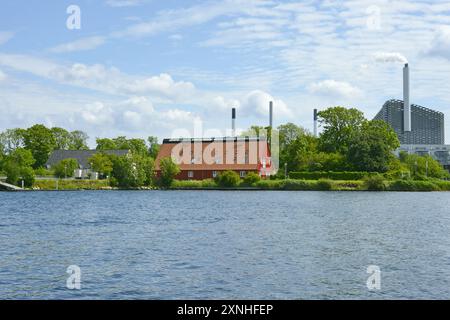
(224, 245)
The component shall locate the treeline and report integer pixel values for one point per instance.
(350, 143)
(24, 153)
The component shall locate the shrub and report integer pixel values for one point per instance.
(65, 168)
(412, 185)
(324, 185)
(12, 172)
(169, 170)
(28, 176)
(228, 179)
(271, 184)
(375, 183)
(252, 178)
(299, 185)
(343, 175)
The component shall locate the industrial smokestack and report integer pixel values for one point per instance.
(315, 122)
(406, 101)
(270, 114)
(233, 122)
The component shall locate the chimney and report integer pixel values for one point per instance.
(406, 101)
(315, 123)
(233, 122)
(270, 114)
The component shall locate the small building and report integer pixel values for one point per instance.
(82, 156)
(205, 158)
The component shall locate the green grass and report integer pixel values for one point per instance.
(71, 184)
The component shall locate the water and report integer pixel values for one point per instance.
(224, 245)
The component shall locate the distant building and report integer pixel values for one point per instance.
(201, 159)
(427, 126)
(82, 156)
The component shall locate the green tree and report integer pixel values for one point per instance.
(28, 176)
(40, 141)
(62, 138)
(101, 163)
(251, 178)
(339, 128)
(169, 170)
(78, 140)
(424, 166)
(12, 172)
(65, 168)
(128, 171)
(153, 148)
(21, 157)
(105, 144)
(371, 148)
(11, 139)
(228, 179)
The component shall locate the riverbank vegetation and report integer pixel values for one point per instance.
(351, 153)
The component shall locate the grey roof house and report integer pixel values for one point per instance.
(82, 156)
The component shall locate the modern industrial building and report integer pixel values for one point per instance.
(427, 126)
(419, 129)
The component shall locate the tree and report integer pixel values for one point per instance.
(424, 166)
(11, 139)
(78, 140)
(128, 171)
(101, 163)
(228, 179)
(339, 128)
(62, 138)
(105, 144)
(12, 172)
(40, 141)
(371, 148)
(288, 133)
(169, 170)
(153, 148)
(149, 169)
(21, 157)
(65, 168)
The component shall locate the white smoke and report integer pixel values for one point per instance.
(390, 57)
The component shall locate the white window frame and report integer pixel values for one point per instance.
(214, 174)
(190, 174)
(242, 174)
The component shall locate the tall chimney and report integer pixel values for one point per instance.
(315, 123)
(233, 122)
(271, 114)
(406, 101)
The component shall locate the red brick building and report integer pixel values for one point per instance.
(201, 159)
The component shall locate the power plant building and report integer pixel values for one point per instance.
(427, 126)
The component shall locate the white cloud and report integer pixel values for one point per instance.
(440, 45)
(256, 103)
(79, 45)
(333, 88)
(124, 3)
(5, 36)
(2, 76)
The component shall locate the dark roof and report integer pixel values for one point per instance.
(214, 139)
(82, 156)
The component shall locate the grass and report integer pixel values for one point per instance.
(71, 185)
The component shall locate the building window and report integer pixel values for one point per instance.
(190, 174)
(214, 174)
(242, 174)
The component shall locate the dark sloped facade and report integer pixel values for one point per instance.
(427, 126)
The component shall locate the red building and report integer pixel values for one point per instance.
(201, 159)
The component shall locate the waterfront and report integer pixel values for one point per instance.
(224, 244)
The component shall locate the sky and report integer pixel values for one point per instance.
(171, 68)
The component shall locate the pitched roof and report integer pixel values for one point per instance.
(217, 154)
(82, 156)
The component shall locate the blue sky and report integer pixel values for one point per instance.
(148, 67)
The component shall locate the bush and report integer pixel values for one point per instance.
(65, 168)
(343, 175)
(28, 176)
(299, 185)
(228, 179)
(271, 184)
(44, 172)
(375, 183)
(251, 178)
(413, 185)
(169, 170)
(324, 185)
(12, 172)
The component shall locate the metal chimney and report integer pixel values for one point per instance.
(233, 122)
(315, 123)
(406, 101)
(270, 114)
